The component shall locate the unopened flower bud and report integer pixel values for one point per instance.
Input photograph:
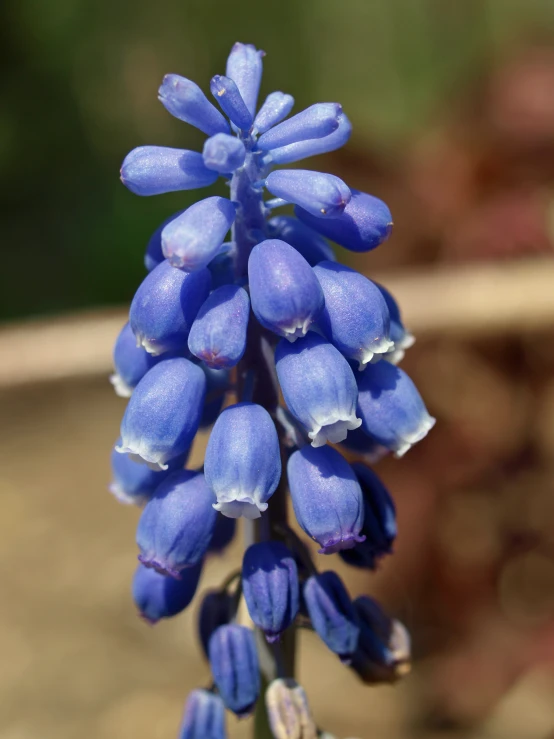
(235, 667)
(288, 710)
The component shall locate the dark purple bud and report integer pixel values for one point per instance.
(204, 717)
(270, 586)
(332, 613)
(379, 521)
(223, 534)
(158, 596)
(383, 654)
(177, 524)
(235, 667)
(216, 609)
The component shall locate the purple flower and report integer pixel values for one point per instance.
(332, 613)
(158, 596)
(392, 411)
(235, 667)
(152, 170)
(204, 717)
(163, 414)
(286, 296)
(177, 524)
(218, 335)
(242, 463)
(165, 306)
(319, 388)
(326, 497)
(270, 586)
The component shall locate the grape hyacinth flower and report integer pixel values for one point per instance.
(246, 328)
(158, 596)
(270, 586)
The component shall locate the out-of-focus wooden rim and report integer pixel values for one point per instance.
(462, 301)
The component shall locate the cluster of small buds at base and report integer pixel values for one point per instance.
(246, 327)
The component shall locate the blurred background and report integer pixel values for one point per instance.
(453, 110)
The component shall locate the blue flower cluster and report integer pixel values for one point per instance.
(220, 332)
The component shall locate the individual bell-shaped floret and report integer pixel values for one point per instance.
(332, 613)
(158, 596)
(217, 609)
(165, 306)
(322, 195)
(204, 716)
(235, 667)
(131, 363)
(218, 335)
(391, 409)
(315, 122)
(228, 96)
(379, 521)
(154, 254)
(154, 170)
(277, 106)
(355, 318)
(312, 147)
(134, 483)
(319, 388)
(288, 710)
(286, 296)
(186, 101)
(270, 587)
(244, 67)
(305, 240)
(402, 338)
(217, 384)
(223, 153)
(193, 239)
(326, 497)
(163, 414)
(224, 532)
(365, 223)
(177, 524)
(242, 462)
(383, 654)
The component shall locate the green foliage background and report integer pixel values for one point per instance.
(79, 88)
